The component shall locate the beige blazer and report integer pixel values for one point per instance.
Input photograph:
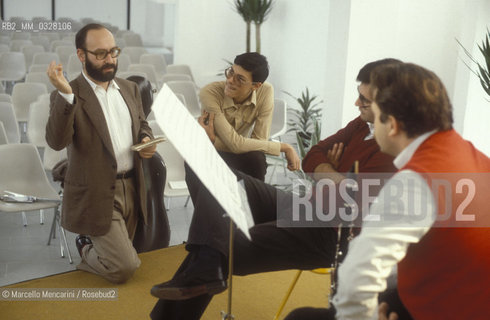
(89, 184)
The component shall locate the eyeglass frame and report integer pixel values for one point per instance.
(365, 101)
(240, 81)
(106, 52)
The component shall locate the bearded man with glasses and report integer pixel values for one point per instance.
(237, 116)
(98, 117)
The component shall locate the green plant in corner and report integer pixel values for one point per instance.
(483, 72)
(306, 121)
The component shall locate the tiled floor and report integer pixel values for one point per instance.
(24, 253)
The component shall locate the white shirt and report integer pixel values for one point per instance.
(371, 131)
(118, 121)
(382, 244)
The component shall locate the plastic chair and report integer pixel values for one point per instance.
(3, 134)
(188, 89)
(156, 60)
(279, 123)
(180, 69)
(23, 95)
(175, 77)
(56, 43)
(45, 58)
(73, 65)
(16, 45)
(40, 77)
(279, 127)
(29, 52)
(127, 74)
(21, 36)
(64, 52)
(149, 70)
(123, 62)
(120, 42)
(133, 40)
(4, 47)
(36, 123)
(28, 177)
(12, 67)
(39, 67)
(9, 120)
(134, 53)
(42, 41)
(175, 185)
(5, 97)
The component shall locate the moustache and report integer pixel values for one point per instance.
(109, 66)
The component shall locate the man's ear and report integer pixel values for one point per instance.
(81, 55)
(256, 85)
(394, 126)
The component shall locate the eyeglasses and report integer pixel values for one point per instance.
(365, 101)
(230, 73)
(101, 54)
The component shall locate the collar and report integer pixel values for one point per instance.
(371, 131)
(251, 100)
(402, 159)
(94, 85)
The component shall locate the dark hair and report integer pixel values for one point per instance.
(81, 35)
(413, 95)
(146, 92)
(365, 72)
(255, 63)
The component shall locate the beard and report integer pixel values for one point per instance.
(98, 74)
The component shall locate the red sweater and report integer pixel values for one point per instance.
(367, 152)
(446, 275)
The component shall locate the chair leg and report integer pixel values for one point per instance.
(63, 240)
(24, 219)
(52, 232)
(288, 294)
(41, 216)
(187, 201)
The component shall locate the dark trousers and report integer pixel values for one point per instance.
(271, 248)
(252, 163)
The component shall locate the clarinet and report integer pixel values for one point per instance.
(338, 253)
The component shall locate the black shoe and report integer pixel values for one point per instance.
(203, 275)
(81, 241)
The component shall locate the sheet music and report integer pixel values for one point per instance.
(193, 144)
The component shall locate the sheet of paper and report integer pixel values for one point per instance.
(191, 141)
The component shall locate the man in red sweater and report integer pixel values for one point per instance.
(354, 142)
(439, 230)
(272, 248)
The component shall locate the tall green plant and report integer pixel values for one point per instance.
(256, 11)
(483, 71)
(305, 121)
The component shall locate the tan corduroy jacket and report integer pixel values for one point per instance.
(89, 183)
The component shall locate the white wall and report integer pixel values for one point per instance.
(112, 11)
(26, 8)
(416, 31)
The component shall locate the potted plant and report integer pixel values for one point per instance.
(483, 72)
(305, 121)
(256, 11)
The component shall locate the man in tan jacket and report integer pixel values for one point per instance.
(97, 117)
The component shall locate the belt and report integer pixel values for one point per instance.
(125, 175)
